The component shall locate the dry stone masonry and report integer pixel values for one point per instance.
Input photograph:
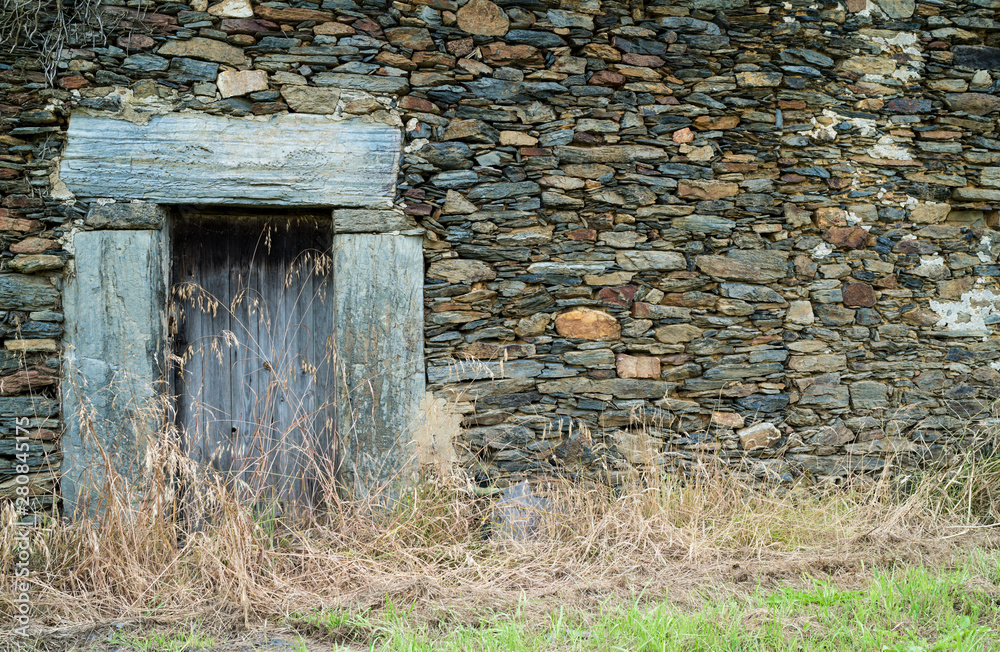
(665, 229)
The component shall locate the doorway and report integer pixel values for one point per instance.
(251, 321)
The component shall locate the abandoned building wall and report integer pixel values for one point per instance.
(658, 223)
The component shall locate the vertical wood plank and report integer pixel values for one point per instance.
(115, 344)
(272, 395)
(378, 293)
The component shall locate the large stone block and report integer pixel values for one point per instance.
(196, 158)
(115, 344)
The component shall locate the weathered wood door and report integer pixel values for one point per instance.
(251, 318)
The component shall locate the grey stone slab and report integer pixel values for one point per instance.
(378, 280)
(134, 215)
(114, 348)
(287, 160)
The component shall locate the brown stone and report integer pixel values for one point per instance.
(683, 135)
(32, 246)
(136, 42)
(412, 38)
(761, 435)
(582, 235)
(853, 237)
(859, 295)
(460, 47)
(607, 78)
(333, 29)
(414, 103)
(707, 122)
(204, 48)
(677, 333)
(73, 82)
(27, 380)
(519, 55)
(232, 83)
(292, 15)
(630, 366)
(706, 190)
(622, 295)
(974, 103)
(588, 324)
(643, 60)
(482, 17)
(728, 419)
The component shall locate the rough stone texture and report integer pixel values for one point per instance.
(723, 180)
(587, 324)
(168, 161)
(377, 287)
(115, 335)
(233, 83)
(482, 17)
(761, 435)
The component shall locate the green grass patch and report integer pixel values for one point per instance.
(903, 609)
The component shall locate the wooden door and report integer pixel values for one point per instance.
(252, 322)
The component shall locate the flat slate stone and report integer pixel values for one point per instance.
(289, 160)
(369, 83)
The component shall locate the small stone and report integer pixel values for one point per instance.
(629, 366)
(728, 419)
(759, 79)
(926, 213)
(817, 363)
(412, 38)
(706, 190)
(859, 294)
(32, 263)
(761, 435)
(588, 324)
(232, 83)
(853, 237)
(457, 270)
(746, 265)
(897, 8)
(869, 395)
(869, 65)
(309, 99)
(482, 17)
(800, 313)
(532, 325)
(517, 139)
(333, 29)
(973, 103)
(232, 9)
(683, 135)
(204, 48)
(456, 204)
(677, 333)
(643, 260)
(135, 42)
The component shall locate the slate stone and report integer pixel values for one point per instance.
(369, 83)
(534, 38)
(447, 155)
(189, 70)
(977, 57)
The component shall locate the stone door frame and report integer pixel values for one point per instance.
(115, 298)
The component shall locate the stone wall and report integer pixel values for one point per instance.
(654, 224)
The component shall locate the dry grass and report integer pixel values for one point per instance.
(237, 566)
